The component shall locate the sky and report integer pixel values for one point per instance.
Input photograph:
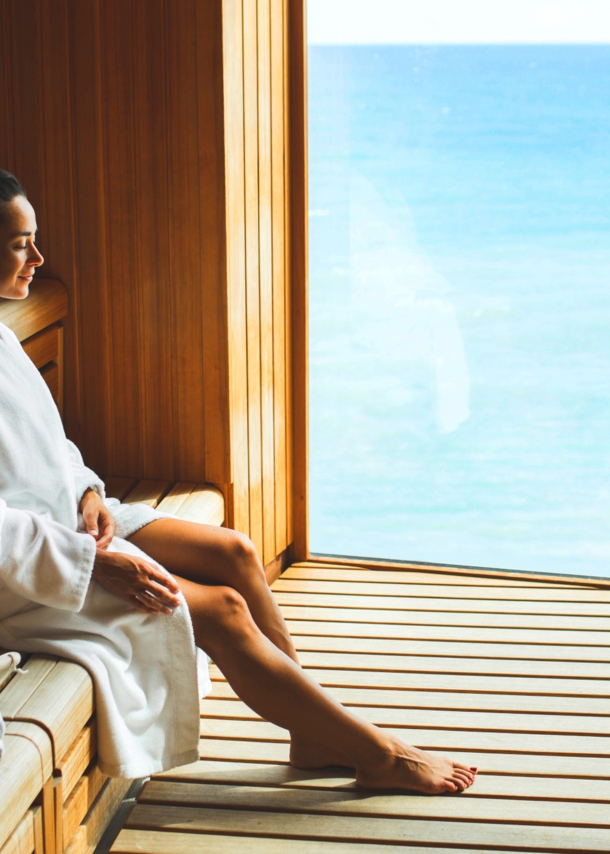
(458, 21)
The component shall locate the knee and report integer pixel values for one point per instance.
(222, 614)
(240, 554)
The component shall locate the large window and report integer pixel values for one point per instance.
(460, 282)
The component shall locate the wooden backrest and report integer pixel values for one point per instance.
(36, 321)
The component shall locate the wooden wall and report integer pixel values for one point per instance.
(153, 140)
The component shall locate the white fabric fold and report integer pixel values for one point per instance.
(144, 667)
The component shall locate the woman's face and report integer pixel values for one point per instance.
(19, 256)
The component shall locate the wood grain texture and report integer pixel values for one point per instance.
(23, 838)
(163, 208)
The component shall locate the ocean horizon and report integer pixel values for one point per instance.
(460, 304)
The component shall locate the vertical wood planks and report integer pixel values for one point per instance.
(268, 321)
(152, 138)
(239, 506)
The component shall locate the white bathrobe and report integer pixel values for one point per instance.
(144, 666)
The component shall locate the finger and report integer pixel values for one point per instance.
(161, 594)
(105, 540)
(163, 579)
(152, 604)
(90, 517)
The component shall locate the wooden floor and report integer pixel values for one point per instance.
(508, 675)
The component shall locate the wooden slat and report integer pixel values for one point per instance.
(364, 829)
(332, 572)
(431, 664)
(431, 643)
(451, 573)
(438, 699)
(486, 760)
(176, 497)
(76, 760)
(442, 738)
(80, 801)
(371, 595)
(452, 682)
(470, 691)
(233, 97)
(265, 224)
(148, 492)
(89, 833)
(153, 842)
(490, 720)
(458, 606)
(119, 487)
(386, 805)
(280, 336)
(252, 231)
(285, 776)
(204, 504)
(352, 637)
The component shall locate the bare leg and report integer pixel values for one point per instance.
(277, 689)
(206, 554)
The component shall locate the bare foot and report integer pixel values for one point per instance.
(407, 767)
(309, 754)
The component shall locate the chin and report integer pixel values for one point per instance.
(16, 291)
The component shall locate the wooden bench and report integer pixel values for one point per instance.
(53, 796)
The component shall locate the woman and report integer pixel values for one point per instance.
(128, 592)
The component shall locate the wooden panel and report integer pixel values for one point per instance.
(253, 294)
(44, 347)
(46, 304)
(281, 330)
(296, 106)
(73, 764)
(80, 801)
(88, 835)
(23, 839)
(239, 513)
(159, 207)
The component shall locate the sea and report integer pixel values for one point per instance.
(459, 227)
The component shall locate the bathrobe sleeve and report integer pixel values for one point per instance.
(44, 561)
(84, 478)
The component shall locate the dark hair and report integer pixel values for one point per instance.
(10, 188)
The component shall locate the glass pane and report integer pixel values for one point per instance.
(460, 295)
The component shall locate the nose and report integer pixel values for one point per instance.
(35, 258)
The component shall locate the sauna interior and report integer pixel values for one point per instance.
(164, 148)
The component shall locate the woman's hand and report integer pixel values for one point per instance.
(137, 581)
(97, 518)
